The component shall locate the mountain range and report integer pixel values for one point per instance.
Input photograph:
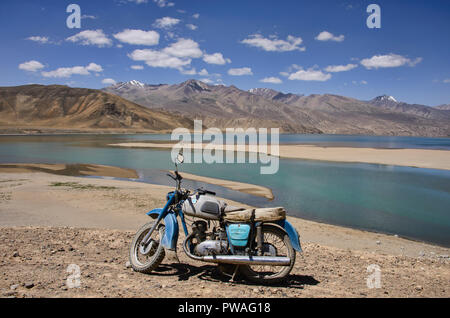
(60, 107)
(443, 107)
(134, 107)
(227, 106)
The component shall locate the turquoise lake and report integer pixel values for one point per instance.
(409, 202)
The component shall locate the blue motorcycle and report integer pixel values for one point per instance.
(259, 243)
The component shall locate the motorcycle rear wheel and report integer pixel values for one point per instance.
(277, 243)
(146, 263)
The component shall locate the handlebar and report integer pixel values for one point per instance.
(177, 176)
(203, 191)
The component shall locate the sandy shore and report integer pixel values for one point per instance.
(49, 221)
(71, 170)
(252, 189)
(421, 158)
(116, 172)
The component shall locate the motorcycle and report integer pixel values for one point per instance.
(258, 243)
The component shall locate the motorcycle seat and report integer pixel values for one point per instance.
(230, 208)
(259, 215)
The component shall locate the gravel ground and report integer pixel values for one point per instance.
(49, 222)
(36, 262)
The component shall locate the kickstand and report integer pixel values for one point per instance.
(236, 270)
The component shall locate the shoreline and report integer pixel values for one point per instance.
(418, 158)
(95, 170)
(315, 228)
(252, 189)
(38, 131)
(50, 221)
(50, 131)
(70, 170)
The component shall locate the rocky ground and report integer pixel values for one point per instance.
(40, 254)
(36, 262)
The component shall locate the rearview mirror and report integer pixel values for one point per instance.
(180, 157)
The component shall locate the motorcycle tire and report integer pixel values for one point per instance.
(156, 253)
(263, 277)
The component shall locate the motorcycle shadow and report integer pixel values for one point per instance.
(212, 273)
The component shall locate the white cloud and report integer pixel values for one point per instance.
(64, 72)
(91, 37)
(359, 83)
(196, 15)
(159, 59)
(184, 48)
(94, 67)
(40, 39)
(192, 71)
(271, 80)
(170, 35)
(207, 81)
(216, 58)
(274, 44)
(162, 3)
(138, 37)
(240, 71)
(203, 72)
(446, 81)
(192, 27)
(138, 1)
(327, 36)
(85, 16)
(178, 56)
(166, 22)
(137, 67)
(389, 60)
(109, 81)
(340, 68)
(309, 75)
(31, 66)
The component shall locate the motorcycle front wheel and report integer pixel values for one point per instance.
(145, 260)
(276, 243)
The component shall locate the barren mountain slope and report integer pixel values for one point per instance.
(227, 106)
(64, 107)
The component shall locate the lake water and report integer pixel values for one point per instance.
(410, 202)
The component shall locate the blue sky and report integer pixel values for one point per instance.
(305, 47)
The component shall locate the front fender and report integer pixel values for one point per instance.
(170, 238)
(292, 233)
(155, 213)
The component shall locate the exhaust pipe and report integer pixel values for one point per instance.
(247, 260)
(237, 259)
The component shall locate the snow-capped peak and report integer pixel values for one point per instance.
(384, 99)
(260, 90)
(391, 98)
(129, 84)
(387, 98)
(136, 83)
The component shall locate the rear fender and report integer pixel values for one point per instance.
(170, 238)
(292, 233)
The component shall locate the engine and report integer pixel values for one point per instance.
(211, 247)
(214, 243)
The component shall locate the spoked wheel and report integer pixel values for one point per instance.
(146, 259)
(276, 243)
